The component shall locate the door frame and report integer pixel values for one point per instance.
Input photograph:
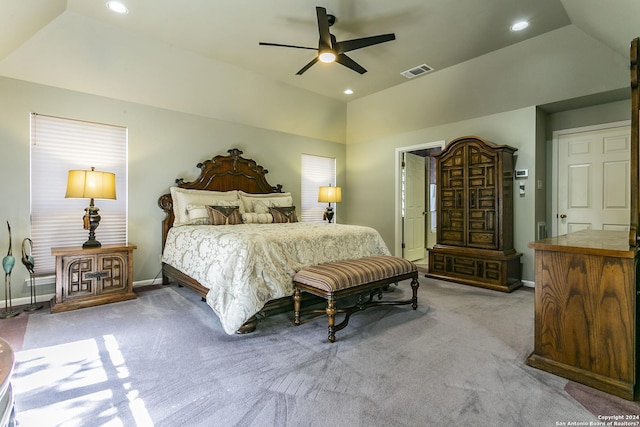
(398, 187)
(554, 163)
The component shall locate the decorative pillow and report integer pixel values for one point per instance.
(257, 218)
(199, 215)
(261, 206)
(183, 197)
(223, 215)
(284, 214)
(275, 199)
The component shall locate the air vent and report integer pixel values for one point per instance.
(417, 71)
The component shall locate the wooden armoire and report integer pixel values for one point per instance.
(475, 215)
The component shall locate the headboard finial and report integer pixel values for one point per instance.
(234, 152)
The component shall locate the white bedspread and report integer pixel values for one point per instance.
(244, 266)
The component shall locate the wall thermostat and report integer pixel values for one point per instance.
(522, 173)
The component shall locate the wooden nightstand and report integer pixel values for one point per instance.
(92, 276)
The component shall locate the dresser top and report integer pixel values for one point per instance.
(75, 250)
(595, 242)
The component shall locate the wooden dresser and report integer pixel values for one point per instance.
(475, 216)
(586, 310)
(86, 277)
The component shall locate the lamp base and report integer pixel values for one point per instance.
(328, 214)
(91, 222)
(91, 243)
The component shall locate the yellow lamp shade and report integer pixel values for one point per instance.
(330, 194)
(91, 184)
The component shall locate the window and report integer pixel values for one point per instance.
(316, 171)
(57, 146)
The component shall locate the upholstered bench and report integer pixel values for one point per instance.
(339, 279)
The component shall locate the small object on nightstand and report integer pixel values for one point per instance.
(86, 277)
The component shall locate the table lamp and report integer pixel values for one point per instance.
(93, 184)
(329, 195)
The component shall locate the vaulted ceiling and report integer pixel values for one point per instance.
(439, 33)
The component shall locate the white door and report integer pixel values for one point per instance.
(414, 207)
(593, 180)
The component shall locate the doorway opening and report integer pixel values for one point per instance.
(415, 220)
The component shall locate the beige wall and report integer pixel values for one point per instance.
(559, 65)
(163, 145)
(169, 78)
(371, 180)
(494, 97)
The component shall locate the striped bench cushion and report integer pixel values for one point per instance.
(335, 276)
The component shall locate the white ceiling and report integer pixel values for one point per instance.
(439, 33)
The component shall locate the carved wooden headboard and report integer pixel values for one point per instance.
(222, 173)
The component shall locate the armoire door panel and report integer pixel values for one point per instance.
(482, 239)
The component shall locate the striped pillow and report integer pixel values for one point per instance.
(223, 215)
(284, 214)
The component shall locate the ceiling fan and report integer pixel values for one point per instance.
(330, 50)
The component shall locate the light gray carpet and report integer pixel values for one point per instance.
(164, 360)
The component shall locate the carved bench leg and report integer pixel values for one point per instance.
(296, 306)
(331, 317)
(414, 288)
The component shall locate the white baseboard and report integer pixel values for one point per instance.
(27, 300)
(148, 282)
(528, 283)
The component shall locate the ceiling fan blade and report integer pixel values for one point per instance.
(286, 45)
(349, 45)
(323, 27)
(350, 63)
(306, 67)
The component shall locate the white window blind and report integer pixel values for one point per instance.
(57, 146)
(316, 171)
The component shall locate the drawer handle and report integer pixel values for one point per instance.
(96, 275)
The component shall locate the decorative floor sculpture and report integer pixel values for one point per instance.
(29, 262)
(7, 264)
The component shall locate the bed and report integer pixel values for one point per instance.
(235, 240)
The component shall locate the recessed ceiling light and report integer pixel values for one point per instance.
(520, 25)
(117, 7)
(348, 92)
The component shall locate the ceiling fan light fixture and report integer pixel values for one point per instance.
(331, 50)
(327, 56)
